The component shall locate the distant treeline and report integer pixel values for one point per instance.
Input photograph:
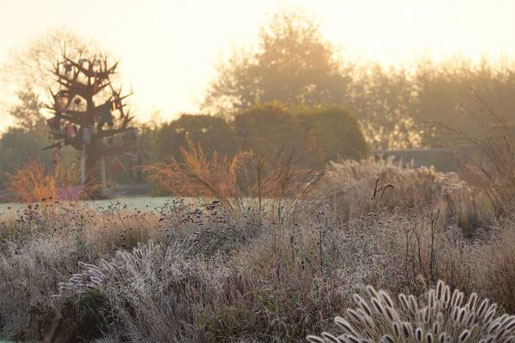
(311, 136)
(430, 105)
(420, 106)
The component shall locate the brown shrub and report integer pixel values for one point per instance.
(239, 182)
(32, 183)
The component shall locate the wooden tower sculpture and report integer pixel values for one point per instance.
(86, 103)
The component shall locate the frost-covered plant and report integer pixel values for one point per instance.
(90, 277)
(29, 273)
(149, 292)
(439, 316)
(357, 188)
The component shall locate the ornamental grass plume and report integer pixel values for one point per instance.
(437, 317)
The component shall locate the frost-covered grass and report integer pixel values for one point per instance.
(182, 271)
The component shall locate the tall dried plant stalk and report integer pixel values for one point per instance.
(490, 164)
(238, 182)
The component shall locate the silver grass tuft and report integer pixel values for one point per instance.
(435, 317)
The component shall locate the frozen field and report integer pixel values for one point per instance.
(129, 202)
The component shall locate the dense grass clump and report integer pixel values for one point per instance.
(439, 316)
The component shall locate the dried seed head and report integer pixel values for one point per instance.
(436, 328)
(507, 318)
(447, 296)
(510, 324)
(426, 315)
(352, 339)
(353, 316)
(440, 317)
(501, 333)
(315, 339)
(464, 336)
(462, 315)
(413, 304)
(493, 327)
(404, 302)
(502, 319)
(489, 315)
(407, 330)
(455, 314)
(330, 337)
(440, 290)
(471, 304)
(362, 304)
(481, 310)
(342, 322)
(471, 319)
(455, 297)
(391, 314)
(396, 330)
(377, 306)
(387, 339)
(459, 299)
(419, 334)
(386, 298)
(366, 319)
(372, 292)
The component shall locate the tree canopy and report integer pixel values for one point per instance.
(27, 113)
(212, 133)
(267, 129)
(293, 65)
(332, 132)
(311, 136)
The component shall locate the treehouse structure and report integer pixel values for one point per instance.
(90, 115)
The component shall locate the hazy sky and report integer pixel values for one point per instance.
(169, 49)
